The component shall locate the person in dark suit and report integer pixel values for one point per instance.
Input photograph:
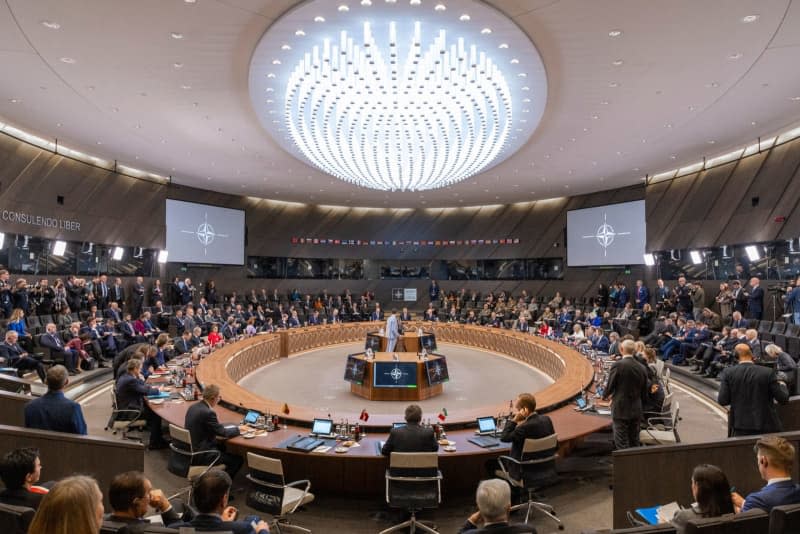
(738, 297)
(101, 292)
(17, 358)
(750, 390)
(137, 296)
(412, 437)
(755, 299)
(627, 384)
(131, 391)
(642, 294)
(20, 470)
(211, 493)
(51, 340)
(53, 411)
(405, 315)
(775, 458)
(737, 321)
(494, 501)
(131, 494)
(526, 424)
(204, 428)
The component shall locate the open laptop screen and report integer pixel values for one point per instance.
(322, 427)
(486, 424)
(251, 417)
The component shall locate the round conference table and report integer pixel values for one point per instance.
(360, 471)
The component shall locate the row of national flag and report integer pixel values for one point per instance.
(403, 243)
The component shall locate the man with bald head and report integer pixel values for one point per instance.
(627, 387)
(751, 391)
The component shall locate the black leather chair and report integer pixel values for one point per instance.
(414, 483)
(748, 522)
(15, 519)
(784, 519)
(270, 493)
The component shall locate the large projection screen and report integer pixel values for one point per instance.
(199, 233)
(606, 235)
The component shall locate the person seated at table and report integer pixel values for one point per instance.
(19, 358)
(183, 343)
(20, 470)
(525, 424)
(231, 329)
(211, 495)
(412, 437)
(53, 411)
(494, 502)
(775, 457)
(712, 494)
(214, 338)
(197, 337)
(73, 506)
(131, 494)
(131, 391)
(204, 427)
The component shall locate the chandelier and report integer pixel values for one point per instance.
(398, 97)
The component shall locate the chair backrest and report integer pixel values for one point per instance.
(15, 519)
(414, 460)
(784, 519)
(181, 434)
(675, 410)
(764, 327)
(267, 485)
(667, 405)
(532, 446)
(745, 523)
(271, 468)
(538, 467)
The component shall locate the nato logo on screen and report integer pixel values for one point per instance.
(607, 235)
(199, 233)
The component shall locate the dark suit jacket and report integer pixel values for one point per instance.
(131, 392)
(497, 528)
(11, 352)
(627, 383)
(771, 495)
(53, 411)
(204, 427)
(534, 427)
(750, 390)
(137, 526)
(213, 523)
(410, 438)
(52, 342)
(755, 303)
(21, 497)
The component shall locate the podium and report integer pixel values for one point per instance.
(407, 342)
(393, 381)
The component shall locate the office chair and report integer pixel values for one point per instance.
(533, 474)
(662, 429)
(124, 420)
(413, 482)
(784, 518)
(270, 493)
(188, 463)
(15, 519)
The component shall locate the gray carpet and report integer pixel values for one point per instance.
(314, 379)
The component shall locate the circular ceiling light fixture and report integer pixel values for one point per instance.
(397, 98)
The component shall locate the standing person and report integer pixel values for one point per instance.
(413, 437)
(211, 293)
(662, 295)
(204, 428)
(725, 301)
(53, 411)
(627, 384)
(698, 300)
(775, 458)
(137, 297)
(392, 331)
(602, 295)
(793, 302)
(750, 390)
(642, 294)
(755, 299)
(434, 291)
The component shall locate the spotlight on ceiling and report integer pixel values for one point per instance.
(59, 248)
(752, 253)
(162, 256)
(397, 103)
(649, 259)
(117, 254)
(697, 258)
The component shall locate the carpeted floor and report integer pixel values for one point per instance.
(315, 379)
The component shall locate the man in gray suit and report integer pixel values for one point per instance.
(392, 331)
(627, 384)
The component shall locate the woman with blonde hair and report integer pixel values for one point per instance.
(17, 323)
(73, 506)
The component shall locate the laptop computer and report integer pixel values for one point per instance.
(399, 425)
(486, 426)
(323, 428)
(250, 418)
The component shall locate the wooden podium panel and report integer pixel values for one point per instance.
(421, 392)
(408, 342)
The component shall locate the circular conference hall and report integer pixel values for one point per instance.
(400, 266)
